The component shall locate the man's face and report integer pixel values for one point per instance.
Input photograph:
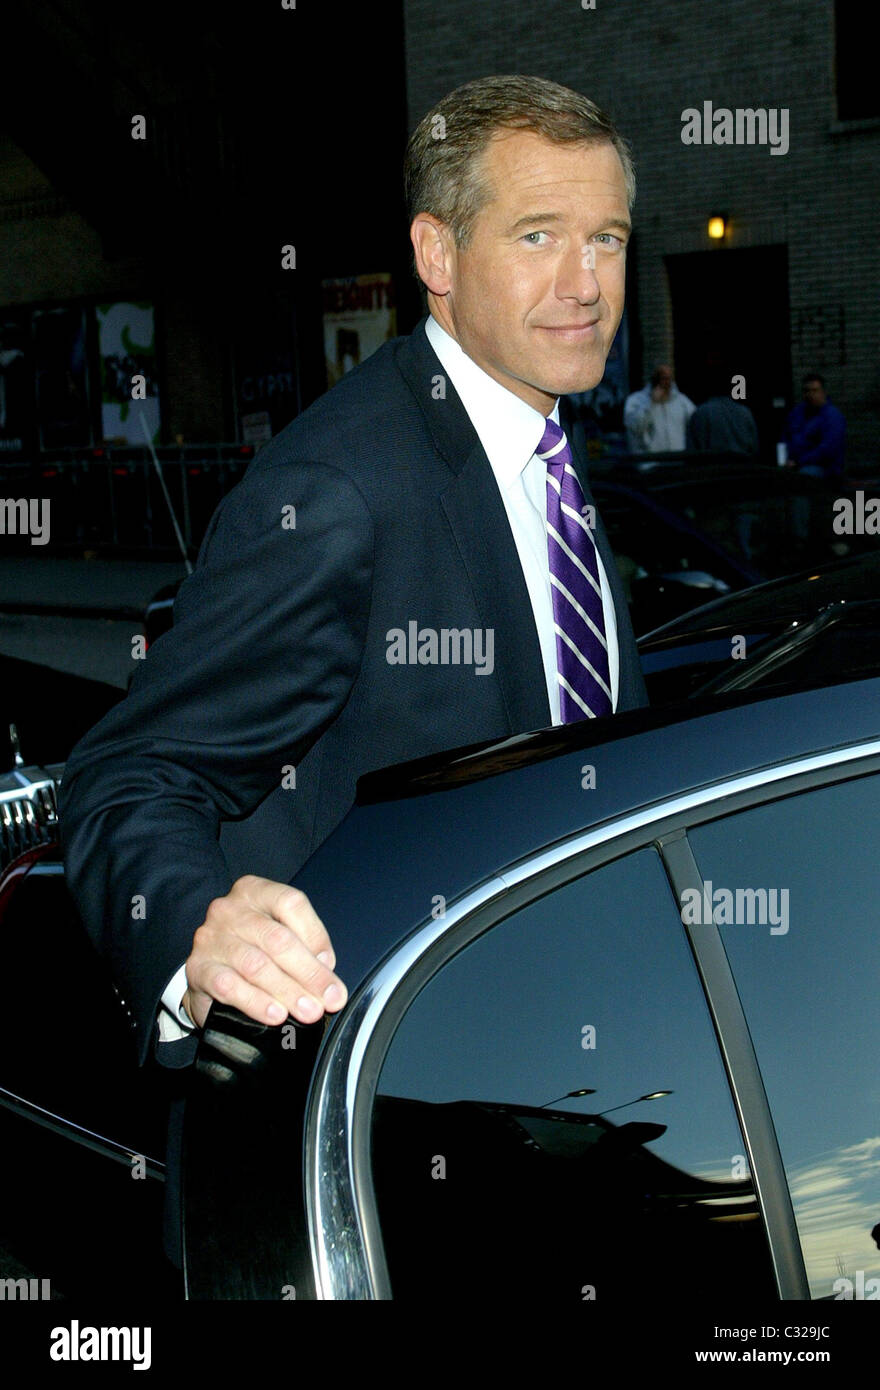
(662, 382)
(814, 394)
(536, 297)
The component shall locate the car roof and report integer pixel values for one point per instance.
(690, 473)
(425, 833)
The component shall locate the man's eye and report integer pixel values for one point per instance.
(615, 242)
(528, 235)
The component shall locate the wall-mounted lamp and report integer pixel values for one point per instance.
(718, 227)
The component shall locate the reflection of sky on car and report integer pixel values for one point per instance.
(812, 997)
(503, 1021)
(831, 1194)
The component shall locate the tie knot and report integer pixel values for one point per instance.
(553, 448)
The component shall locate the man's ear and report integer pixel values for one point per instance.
(434, 252)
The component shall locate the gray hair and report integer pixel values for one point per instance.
(442, 173)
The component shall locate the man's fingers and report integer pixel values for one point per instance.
(256, 985)
(263, 949)
(288, 970)
(270, 1002)
(290, 906)
(220, 982)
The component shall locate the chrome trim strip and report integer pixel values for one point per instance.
(28, 810)
(744, 1075)
(88, 1138)
(339, 1238)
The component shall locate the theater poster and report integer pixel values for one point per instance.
(359, 316)
(127, 348)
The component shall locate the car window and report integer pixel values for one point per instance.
(808, 974)
(847, 648)
(820, 649)
(778, 529)
(676, 670)
(490, 1176)
(653, 545)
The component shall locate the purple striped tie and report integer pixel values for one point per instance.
(581, 646)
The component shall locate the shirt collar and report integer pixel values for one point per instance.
(509, 429)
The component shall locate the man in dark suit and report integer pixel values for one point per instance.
(412, 564)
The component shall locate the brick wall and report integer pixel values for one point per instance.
(644, 64)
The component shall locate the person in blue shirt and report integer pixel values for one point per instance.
(816, 432)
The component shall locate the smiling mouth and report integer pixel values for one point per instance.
(574, 330)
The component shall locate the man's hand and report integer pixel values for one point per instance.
(263, 949)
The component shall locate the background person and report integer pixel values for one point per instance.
(816, 432)
(722, 425)
(656, 417)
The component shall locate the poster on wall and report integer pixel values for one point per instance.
(61, 378)
(267, 389)
(359, 316)
(127, 348)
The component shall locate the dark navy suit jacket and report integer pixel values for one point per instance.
(277, 660)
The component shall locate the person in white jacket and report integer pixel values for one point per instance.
(656, 417)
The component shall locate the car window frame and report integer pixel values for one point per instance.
(344, 1229)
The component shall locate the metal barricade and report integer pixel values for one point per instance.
(112, 499)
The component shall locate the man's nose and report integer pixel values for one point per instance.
(577, 277)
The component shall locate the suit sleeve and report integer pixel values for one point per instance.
(267, 641)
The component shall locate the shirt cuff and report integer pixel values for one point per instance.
(174, 1022)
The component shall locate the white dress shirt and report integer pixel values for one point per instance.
(510, 432)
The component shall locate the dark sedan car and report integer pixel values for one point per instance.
(813, 628)
(613, 1002)
(688, 532)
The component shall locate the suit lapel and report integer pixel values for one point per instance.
(475, 512)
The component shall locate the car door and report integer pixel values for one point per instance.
(555, 1090)
(808, 975)
(82, 1126)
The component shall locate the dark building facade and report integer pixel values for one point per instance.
(791, 286)
(282, 128)
(173, 195)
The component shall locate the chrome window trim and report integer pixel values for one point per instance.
(344, 1237)
(744, 1077)
(78, 1134)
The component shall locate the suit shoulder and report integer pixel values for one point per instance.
(371, 415)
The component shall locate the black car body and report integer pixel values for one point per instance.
(613, 997)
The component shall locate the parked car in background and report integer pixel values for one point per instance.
(613, 996)
(43, 713)
(812, 629)
(50, 709)
(688, 532)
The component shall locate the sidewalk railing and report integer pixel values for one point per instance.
(112, 498)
